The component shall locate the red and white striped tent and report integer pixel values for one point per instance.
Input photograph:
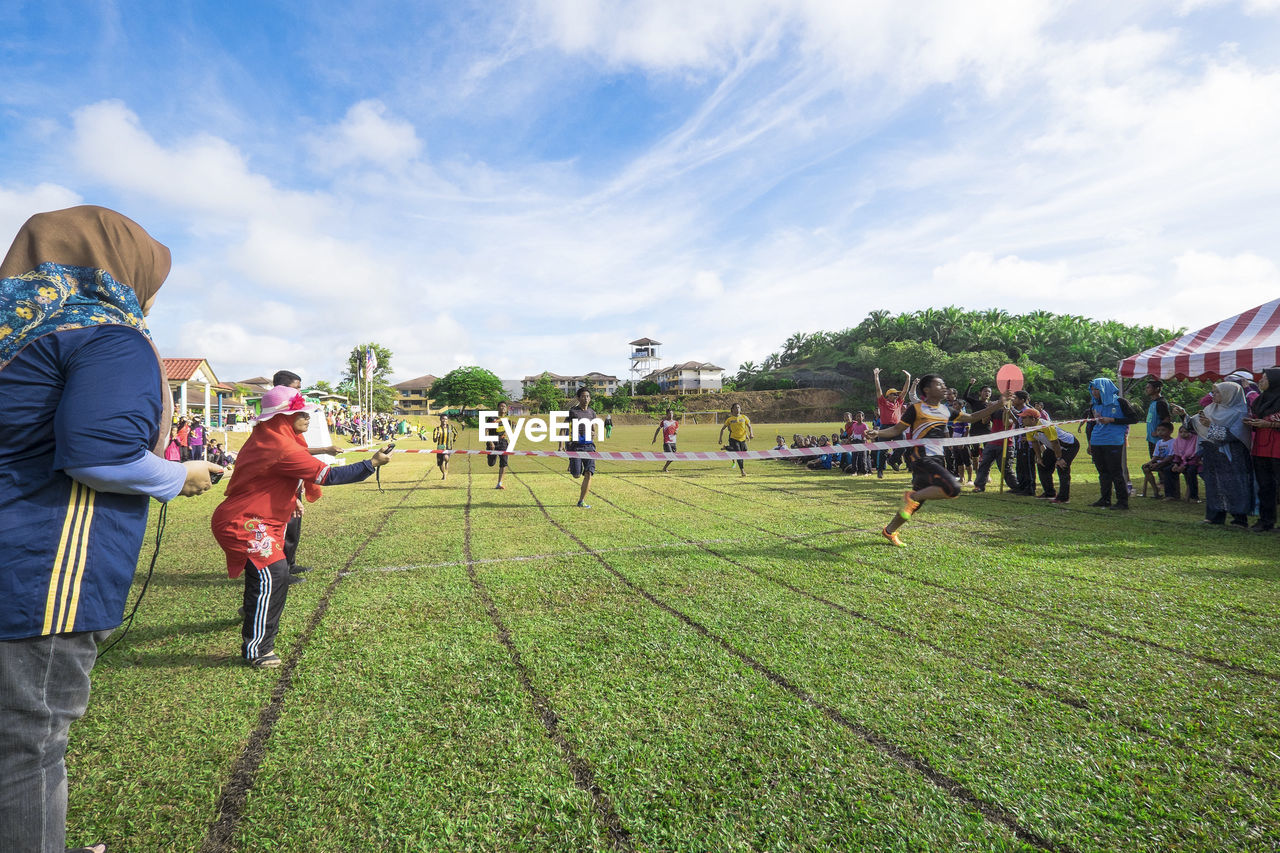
(1248, 341)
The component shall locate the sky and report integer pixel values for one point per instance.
(528, 186)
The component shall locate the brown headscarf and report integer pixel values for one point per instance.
(98, 238)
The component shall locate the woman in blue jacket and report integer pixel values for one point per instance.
(1107, 435)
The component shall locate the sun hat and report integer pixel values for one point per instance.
(892, 391)
(283, 400)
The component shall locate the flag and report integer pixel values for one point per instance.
(370, 364)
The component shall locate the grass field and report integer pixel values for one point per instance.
(699, 662)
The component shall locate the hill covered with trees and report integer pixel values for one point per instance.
(1058, 353)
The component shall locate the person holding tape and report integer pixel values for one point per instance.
(85, 419)
(250, 522)
(930, 479)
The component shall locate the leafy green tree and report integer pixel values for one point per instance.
(619, 402)
(469, 387)
(545, 394)
(648, 386)
(384, 396)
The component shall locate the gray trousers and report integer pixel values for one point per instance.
(44, 687)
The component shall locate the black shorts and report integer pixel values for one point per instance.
(668, 447)
(442, 457)
(497, 459)
(734, 444)
(929, 471)
(578, 467)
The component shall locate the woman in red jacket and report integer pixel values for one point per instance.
(1265, 421)
(261, 497)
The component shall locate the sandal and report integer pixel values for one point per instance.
(96, 848)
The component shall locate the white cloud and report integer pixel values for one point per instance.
(367, 134)
(17, 206)
(1210, 287)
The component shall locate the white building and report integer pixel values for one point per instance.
(691, 377)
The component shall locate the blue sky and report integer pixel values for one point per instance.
(529, 186)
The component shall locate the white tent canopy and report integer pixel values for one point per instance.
(1248, 341)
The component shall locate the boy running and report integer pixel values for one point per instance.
(503, 442)
(740, 432)
(667, 427)
(584, 468)
(444, 436)
(929, 418)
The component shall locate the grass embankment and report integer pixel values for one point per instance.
(700, 662)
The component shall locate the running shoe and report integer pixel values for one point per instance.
(500, 486)
(893, 538)
(582, 505)
(909, 506)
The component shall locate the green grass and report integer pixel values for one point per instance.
(739, 664)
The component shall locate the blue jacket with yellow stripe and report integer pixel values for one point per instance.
(72, 399)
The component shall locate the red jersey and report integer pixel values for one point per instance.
(890, 413)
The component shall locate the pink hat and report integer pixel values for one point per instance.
(283, 400)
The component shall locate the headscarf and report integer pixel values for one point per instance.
(1107, 391)
(1268, 402)
(76, 268)
(1228, 415)
(271, 442)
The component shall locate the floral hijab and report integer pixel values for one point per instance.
(76, 268)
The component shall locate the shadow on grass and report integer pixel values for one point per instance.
(173, 660)
(146, 633)
(215, 575)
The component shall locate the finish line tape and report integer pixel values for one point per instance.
(719, 455)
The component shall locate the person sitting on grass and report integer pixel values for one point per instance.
(1154, 469)
(782, 443)
(821, 462)
(261, 498)
(927, 419)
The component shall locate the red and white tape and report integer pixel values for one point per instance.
(716, 455)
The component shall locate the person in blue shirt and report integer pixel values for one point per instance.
(86, 414)
(1107, 435)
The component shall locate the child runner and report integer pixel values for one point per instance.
(444, 436)
(930, 479)
(584, 468)
(503, 442)
(667, 427)
(740, 432)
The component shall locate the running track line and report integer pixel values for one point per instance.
(1088, 628)
(220, 837)
(584, 775)
(991, 811)
(1026, 683)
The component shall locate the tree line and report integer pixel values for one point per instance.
(1058, 353)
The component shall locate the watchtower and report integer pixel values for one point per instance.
(644, 359)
